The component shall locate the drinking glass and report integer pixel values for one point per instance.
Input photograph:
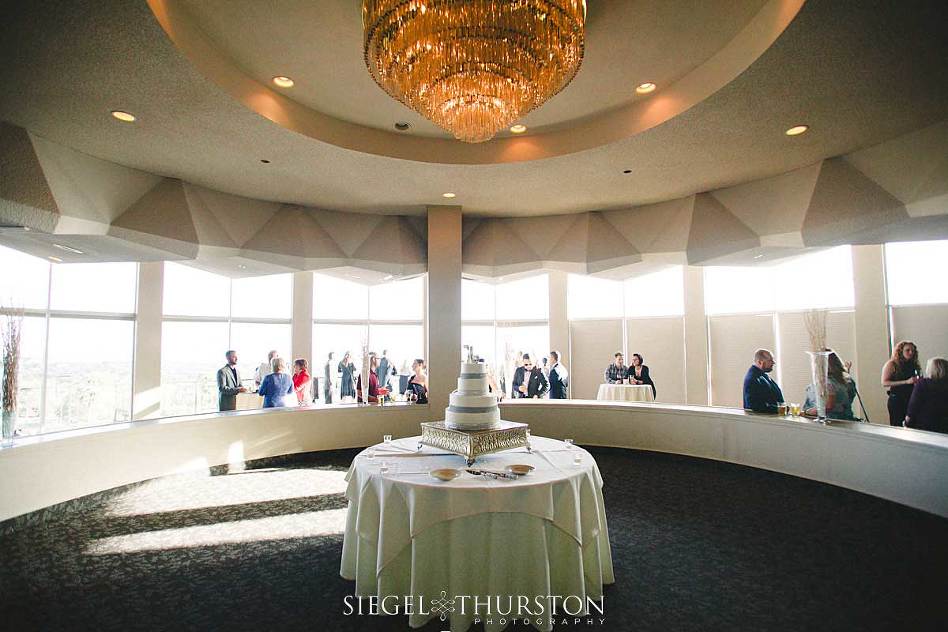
(569, 444)
(387, 439)
(384, 467)
(795, 410)
(577, 460)
(781, 409)
(370, 453)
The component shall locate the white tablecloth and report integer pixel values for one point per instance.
(249, 401)
(543, 534)
(625, 393)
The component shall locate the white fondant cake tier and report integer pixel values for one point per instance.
(473, 368)
(472, 385)
(472, 401)
(472, 421)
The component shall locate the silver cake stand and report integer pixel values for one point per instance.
(471, 444)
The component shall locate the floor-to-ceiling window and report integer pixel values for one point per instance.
(918, 295)
(641, 315)
(349, 316)
(762, 307)
(77, 340)
(504, 320)
(206, 314)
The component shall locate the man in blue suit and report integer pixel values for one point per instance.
(761, 394)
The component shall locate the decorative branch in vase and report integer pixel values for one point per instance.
(815, 323)
(12, 329)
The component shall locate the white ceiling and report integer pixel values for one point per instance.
(858, 73)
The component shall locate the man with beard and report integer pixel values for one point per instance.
(761, 394)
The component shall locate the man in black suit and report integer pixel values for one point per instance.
(529, 381)
(228, 383)
(559, 377)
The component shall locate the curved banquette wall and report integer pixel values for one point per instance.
(906, 466)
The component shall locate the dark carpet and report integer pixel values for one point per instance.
(697, 545)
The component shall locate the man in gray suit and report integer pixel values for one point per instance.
(228, 383)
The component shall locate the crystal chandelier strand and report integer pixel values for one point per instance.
(473, 67)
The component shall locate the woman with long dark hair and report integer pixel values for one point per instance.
(840, 392)
(638, 373)
(347, 380)
(417, 390)
(899, 375)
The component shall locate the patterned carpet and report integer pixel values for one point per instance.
(697, 545)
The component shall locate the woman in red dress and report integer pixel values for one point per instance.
(301, 379)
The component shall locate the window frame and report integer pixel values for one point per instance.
(48, 314)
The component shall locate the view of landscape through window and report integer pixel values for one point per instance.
(77, 340)
(348, 315)
(205, 314)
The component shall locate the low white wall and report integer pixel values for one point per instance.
(903, 465)
(906, 466)
(45, 470)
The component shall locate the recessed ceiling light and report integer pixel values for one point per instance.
(283, 82)
(56, 259)
(69, 249)
(123, 116)
(626, 171)
(265, 161)
(518, 129)
(449, 195)
(403, 126)
(796, 130)
(645, 88)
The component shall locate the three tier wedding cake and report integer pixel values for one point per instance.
(472, 406)
(472, 425)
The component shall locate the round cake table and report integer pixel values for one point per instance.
(625, 393)
(441, 544)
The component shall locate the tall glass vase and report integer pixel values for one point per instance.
(819, 376)
(9, 426)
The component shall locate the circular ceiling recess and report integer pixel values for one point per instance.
(242, 44)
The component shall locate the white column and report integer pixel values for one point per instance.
(696, 338)
(559, 321)
(302, 327)
(146, 378)
(872, 329)
(444, 304)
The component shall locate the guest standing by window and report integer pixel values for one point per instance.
(840, 392)
(329, 372)
(617, 371)
(373, 394)
(228, 383)
(559, 377)
(276, 386)
(417, 389)
(928, 406)
(529, 381)
(638, 373)
(264, 369)
(300, 379)
(761, 394)
(347, 379)
(899, 375)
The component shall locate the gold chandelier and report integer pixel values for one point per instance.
(473, 67)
